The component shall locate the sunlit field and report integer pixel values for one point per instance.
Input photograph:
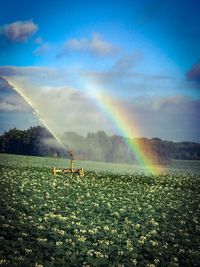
(116, 215)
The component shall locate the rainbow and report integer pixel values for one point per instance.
(114, 110)
(118, 115)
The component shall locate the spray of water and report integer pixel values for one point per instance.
(36, 112)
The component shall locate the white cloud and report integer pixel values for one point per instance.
(43, 49)
(94, 46)
(128, 61)
(29, 71)
(168, 102)
(38, 40)
(13, 103)
(7, 107)
(169, 117)
(19, 31)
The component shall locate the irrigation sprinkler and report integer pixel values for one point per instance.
(37, 113)
(70, 169)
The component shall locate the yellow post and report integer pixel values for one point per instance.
(54, 171)
(81, 172)
(72, 164)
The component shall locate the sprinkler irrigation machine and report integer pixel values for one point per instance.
(70, 169)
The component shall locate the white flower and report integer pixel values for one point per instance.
(137, 226)
(106, 228)
(90, 252)
(81, 238)
(59, 243)
(134, 261)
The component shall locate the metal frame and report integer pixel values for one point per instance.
(68, 170)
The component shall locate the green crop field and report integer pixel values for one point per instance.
(115, 215)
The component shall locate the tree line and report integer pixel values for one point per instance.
(37, 141)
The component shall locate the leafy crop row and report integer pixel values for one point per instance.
(102, 219)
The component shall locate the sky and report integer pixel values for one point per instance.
(145, 55)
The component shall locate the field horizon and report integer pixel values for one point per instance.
(192, 166)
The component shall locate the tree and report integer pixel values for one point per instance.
(98, 146)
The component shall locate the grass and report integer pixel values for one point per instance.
(114, 216)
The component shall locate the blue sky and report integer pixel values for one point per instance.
(145, 53)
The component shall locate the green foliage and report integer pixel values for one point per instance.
(102, 219)
(28, 142)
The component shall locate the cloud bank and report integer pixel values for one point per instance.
(66, 107)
